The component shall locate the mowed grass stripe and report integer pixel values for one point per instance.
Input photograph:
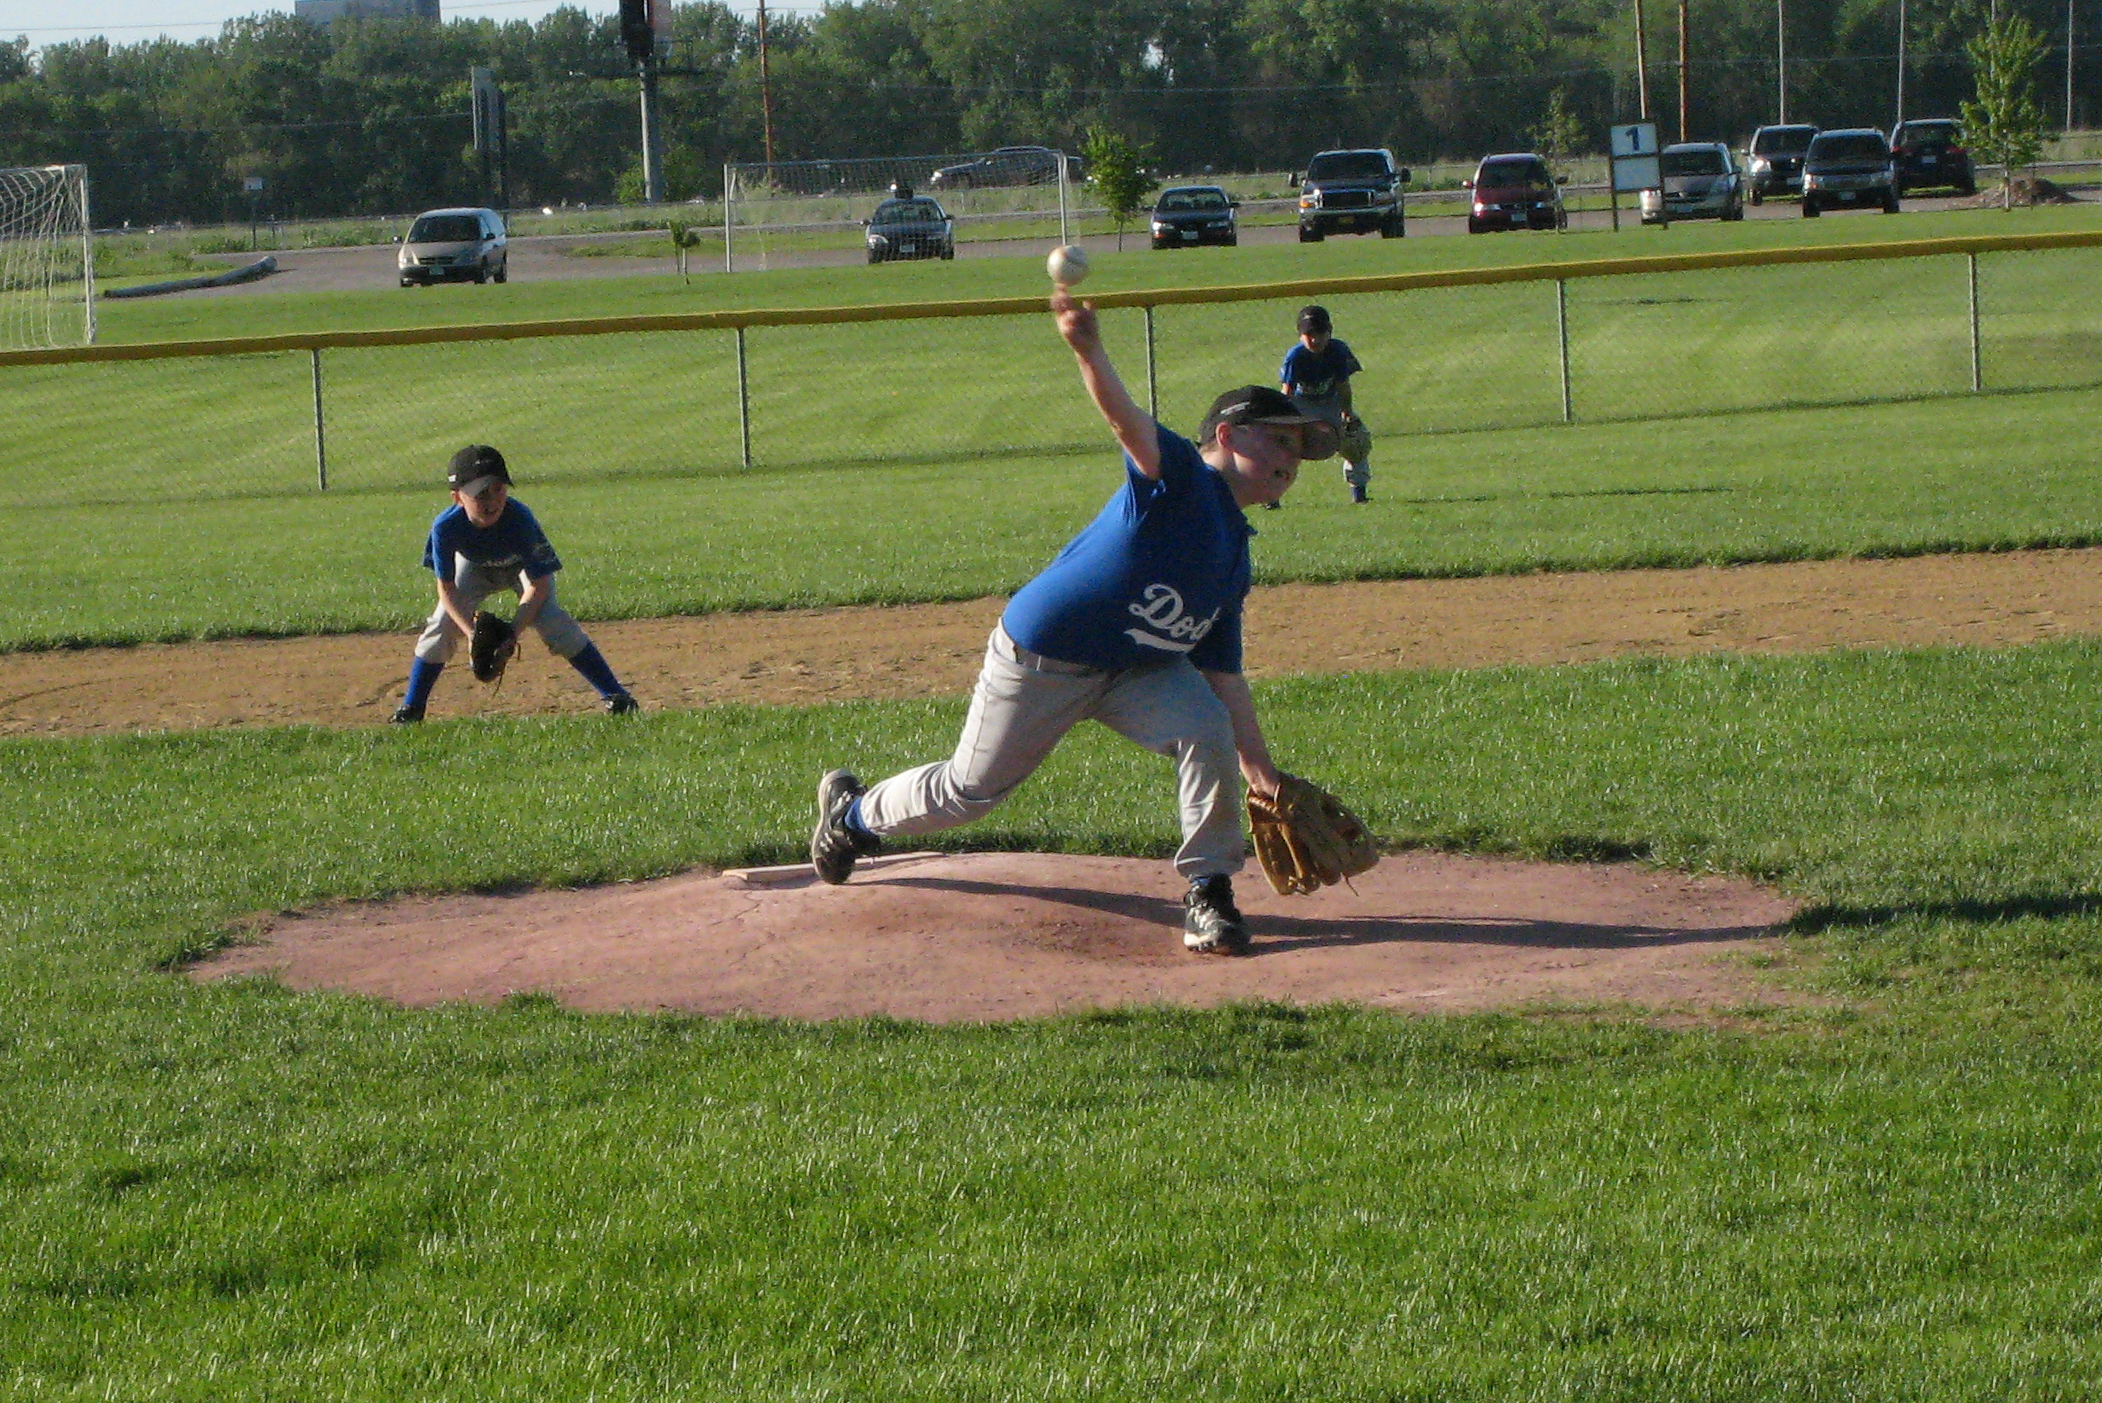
(330, 1197)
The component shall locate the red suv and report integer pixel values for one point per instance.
(1515, 191)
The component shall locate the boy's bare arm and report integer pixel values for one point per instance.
(1134, 427)
(450, 602)
(1257, 768)
(531, 600)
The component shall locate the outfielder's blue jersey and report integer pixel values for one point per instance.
(1160, 573)
(1315, 378)
(515, 542)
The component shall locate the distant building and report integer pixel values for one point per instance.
(322, 12)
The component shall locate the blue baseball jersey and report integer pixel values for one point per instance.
(515, 542)
(1315, 378)
(1160, 573)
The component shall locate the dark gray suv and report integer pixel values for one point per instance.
(1352, 192)
(1849, 169)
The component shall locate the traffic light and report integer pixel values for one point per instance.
(636, 33)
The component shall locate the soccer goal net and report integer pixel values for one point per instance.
(47, 262)
(782, 213)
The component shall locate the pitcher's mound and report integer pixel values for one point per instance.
(988, 936)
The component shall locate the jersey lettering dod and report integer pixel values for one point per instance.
(1160, 573)
(1313, 379)
(515, 542)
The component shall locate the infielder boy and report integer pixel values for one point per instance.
(1316, 374)
(1136, 624)
(484, 543)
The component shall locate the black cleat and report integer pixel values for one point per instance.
(835, 848)
(1359, 496)
(1211, 923)
(405, 715)
(621, 704)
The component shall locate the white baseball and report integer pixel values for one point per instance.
(1067, 265)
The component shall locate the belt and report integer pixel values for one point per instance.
(1021, 657)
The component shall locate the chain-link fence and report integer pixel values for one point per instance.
(724, 393)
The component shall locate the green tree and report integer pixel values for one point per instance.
(1560, 134)
(1117, 170)
(2004, 123)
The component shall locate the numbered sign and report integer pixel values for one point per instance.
(1635, 139)
(1635, 157)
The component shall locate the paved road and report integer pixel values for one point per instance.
(548, 257)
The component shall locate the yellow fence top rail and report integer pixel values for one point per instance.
(1012, 306)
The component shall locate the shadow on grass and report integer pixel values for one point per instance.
(1833, 916)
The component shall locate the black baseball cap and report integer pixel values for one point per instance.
(1259, 404)
(1315, 320)
(474, 467)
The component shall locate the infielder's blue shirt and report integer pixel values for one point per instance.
(1313, 378)
(1161, 573)
(515, 542)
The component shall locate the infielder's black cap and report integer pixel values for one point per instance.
(1315, 320)
(1259, 404)
(474, 467)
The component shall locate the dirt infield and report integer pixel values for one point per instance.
(992, 936)
(817, 655)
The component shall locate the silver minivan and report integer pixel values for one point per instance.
(454, 245)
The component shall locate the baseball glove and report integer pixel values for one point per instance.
(1355, 439)
(491, 646)
(1306, 839)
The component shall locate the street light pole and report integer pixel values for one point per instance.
(1901, 68)
(766, 89)
(1641, 65)
(1683, 89)
(1781, 57)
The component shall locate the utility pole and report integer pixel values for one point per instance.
(766, 89)
(1781, 57)
(1641, 65)
(2069, 67)
(1901, 69)
(638, 35)
(1683, 105)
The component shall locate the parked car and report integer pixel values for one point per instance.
(454, 245)
(912, 226)
(1009, 165)
(1194, 214)
(1515, 190)
(1849, 169)
(1356, 191)
(1700, 181)
(1774, 160)
(1930, 152)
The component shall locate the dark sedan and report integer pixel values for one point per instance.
(1010, 165)
(1186, 215)
(916, 227)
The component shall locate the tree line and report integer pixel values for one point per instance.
(373, 116)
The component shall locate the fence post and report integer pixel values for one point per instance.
(729, 202)
(1562, 339)
(320, 437)
(744, 404)
(1152, 396)
(1977, 367)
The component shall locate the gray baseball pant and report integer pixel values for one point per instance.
(472, 584)
(1023, 706)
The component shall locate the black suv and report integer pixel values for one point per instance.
(1931, 152)
(1849, 169)
(1352, 192)
(1774, 159)
(1010, 165)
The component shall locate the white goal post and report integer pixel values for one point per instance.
(791, 207)
(47, 258)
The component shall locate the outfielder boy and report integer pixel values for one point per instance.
(1136, 624)
(1316, 374)
(484, 543)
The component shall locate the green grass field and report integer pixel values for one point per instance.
(236, 1193)
(937, 459)
(1887, 1192)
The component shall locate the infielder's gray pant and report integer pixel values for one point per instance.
(1023, 706)
(472, 584)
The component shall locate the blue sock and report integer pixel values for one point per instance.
(592, 664)
(423, 676)
(853, 822)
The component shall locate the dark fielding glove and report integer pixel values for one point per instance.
(491, 646)
(1306, 839)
